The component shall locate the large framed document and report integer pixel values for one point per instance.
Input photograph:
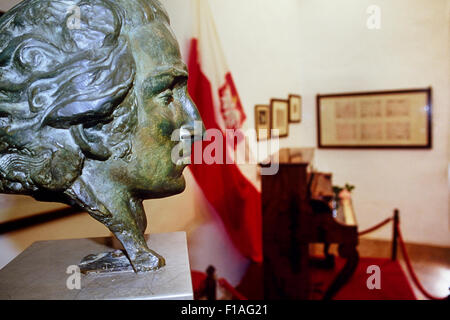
(381, 119)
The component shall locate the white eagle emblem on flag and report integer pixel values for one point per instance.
(230, 105)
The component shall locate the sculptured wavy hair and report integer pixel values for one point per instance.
(62, 86)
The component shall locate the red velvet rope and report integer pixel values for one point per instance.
(411, 270)
(375, 227)
(236, 294)
(406, 257)
(224, 283)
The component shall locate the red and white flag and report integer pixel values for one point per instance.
(225, 186)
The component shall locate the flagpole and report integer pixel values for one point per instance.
(197, 16)
(216, 34)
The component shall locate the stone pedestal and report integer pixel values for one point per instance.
(46, 270)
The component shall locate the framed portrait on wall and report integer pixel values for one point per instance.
(279, 110)
(262, 122)
(295, 108)
(381, 119)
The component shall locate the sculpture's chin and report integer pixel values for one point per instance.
(168, 188)
(179, 185)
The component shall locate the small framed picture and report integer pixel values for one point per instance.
(262, 122)
(280, 116)
(295, 108)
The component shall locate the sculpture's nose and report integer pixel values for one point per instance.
(193, 127)
(192, 131)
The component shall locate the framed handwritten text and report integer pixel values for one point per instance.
(382, 119)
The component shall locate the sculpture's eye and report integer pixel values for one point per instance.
(164, 87)
(166, 96)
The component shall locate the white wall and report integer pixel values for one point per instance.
(315, 46)
(312, 47)
(5, 5)
(323, 46)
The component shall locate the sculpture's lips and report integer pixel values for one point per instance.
(185, 160)
(186, 150)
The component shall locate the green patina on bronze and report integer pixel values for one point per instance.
(88, 104)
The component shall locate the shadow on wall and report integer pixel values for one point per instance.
(36, 220)
(14, 207)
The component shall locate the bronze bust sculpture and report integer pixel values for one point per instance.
(87, 110)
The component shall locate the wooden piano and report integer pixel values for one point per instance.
(297, 211)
